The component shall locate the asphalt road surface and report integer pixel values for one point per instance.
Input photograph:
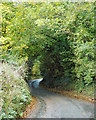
(54, 105)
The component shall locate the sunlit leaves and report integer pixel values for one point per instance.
(61, 33)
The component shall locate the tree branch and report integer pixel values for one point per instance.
(4, 44)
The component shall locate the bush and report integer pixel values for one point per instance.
(59, 33)
(69, 56)
(14, 92)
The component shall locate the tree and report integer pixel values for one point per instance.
(61, 34)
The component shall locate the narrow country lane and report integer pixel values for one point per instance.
(53, 105)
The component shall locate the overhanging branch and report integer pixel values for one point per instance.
(4, 44)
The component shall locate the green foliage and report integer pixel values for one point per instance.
(36, 69)
(60, 33)
(84, 47)
(14, 92)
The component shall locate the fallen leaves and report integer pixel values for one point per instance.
(30, 107)
(72, 94)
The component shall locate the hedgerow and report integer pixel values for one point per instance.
(14, 92)
(58, 34)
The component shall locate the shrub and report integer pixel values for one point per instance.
(14, 92)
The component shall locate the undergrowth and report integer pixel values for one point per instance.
(14, 92)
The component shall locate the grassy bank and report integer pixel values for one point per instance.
(14, 92)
